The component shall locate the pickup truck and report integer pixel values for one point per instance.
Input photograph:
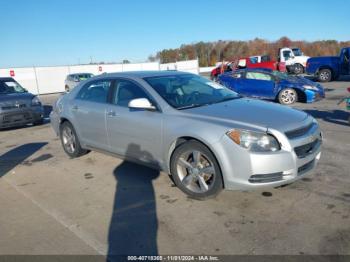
(328, 68)
(294, 58)
(250, 62)
(253, 62)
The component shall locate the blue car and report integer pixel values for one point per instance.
(272, 85)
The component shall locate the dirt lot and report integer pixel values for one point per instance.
(98, 204)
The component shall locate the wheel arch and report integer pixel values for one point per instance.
(65, 119)
(326, 67)
(183, 139)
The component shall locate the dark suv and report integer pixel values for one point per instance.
(17, 106)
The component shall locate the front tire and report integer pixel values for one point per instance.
(70, 141)
(287, 96)
(196, 171)
(324, 75)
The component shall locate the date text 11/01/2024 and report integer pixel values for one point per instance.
(173, 258)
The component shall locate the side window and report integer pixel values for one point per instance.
(95, 91)
(126, 91)
(258, 76)
(287, 54)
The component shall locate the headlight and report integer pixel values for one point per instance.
(313, 88)
(36, 101)
(254, 141)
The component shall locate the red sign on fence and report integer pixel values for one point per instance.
(12, 73)
(100, 68)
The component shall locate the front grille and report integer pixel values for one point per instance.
(266, 178)
(16, 118)
(307, 149)
(305, 167)
(13, 107)
(300, 131)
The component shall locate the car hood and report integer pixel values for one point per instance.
(299, 82)
(251, 113)
(16, 97)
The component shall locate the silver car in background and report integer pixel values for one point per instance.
(204, 135)
(73, 80)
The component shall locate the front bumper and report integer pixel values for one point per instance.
(314, 96)
(21, 117)
(244, 170)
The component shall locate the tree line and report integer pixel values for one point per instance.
(209, 53)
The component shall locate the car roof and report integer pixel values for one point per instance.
(261, 70)
(7, 79)
(76, 74)
(144, 74)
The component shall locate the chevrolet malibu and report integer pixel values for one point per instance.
(204, 135)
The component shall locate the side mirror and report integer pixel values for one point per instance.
(141, 103)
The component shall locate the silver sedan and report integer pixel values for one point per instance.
(204, 135)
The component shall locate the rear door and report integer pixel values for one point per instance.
(89, 111)
(232, 81)
(259, 84)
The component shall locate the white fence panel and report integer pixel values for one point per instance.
(46, 80)
(51, 79)
(150, 66)
(93, 69)
(206, 69)
(24, 76)
(168, 66)
(190, 66)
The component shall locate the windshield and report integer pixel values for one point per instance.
(297, 52)
(187, 91)
(10, 87)
(280, 75)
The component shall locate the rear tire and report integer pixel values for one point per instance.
(324, 75)
(70, 141)
(195, 171)
(298, 69)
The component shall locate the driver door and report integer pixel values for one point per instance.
(258, 84)
(134, 133)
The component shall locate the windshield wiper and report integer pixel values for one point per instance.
(190, 106)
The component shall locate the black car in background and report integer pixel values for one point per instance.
(18, 107)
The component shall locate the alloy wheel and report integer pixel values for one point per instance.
(324, 76)
(196, 171)
(288, 96)
(68, 139)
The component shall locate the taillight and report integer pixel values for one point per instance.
(348, 89)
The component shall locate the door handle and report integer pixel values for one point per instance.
(75, 108)
(111, 113)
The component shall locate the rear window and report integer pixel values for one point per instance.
(83, 77)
